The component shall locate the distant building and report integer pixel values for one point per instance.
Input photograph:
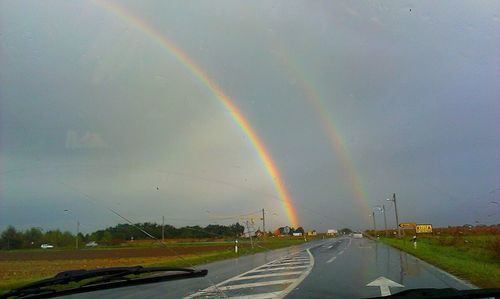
(297, 234)
(311, 233)
(331, 232)
(282, 231)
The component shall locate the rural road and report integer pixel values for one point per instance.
(331, 268)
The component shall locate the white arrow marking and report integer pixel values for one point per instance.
(384, 284)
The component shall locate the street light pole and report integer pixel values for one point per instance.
(162, 229)
(77, 232)
(264, 222)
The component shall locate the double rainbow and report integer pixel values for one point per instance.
(228, 104)
(337, 141)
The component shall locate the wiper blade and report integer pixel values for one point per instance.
(446, 293)
(106, 278)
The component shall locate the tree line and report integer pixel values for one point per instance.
(12, 238)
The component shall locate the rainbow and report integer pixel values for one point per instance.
(336, 139)
(228, 104)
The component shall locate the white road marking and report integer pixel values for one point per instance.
(253, 284)
(285, 264)
(288, 258)
(301, 278)
(384, 284)
(330, 247)
(294, 259)
(280, 268)
(331, 260)
(291, 262)
(342, 251)
(268, 275)
(267, 270)
(258, 296)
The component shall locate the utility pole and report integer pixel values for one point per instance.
(396, 211)
(163, 229)
(264, 223)
(374, 225)
(385, 220)
(77, 232)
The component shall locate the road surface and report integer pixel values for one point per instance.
(331, 268)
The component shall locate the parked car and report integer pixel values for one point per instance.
(91, 244)
(46, 246)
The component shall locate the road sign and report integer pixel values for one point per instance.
(407, 224)
(423, 228)
(384, 284)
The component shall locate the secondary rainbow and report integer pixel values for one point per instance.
(336, 139)
(228, 104)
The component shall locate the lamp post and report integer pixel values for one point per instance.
(382, 209)
(385, 220)
(374, 224)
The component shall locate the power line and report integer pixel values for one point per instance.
(142, 230)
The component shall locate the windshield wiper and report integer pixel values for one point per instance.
(105, 278)
(446, 293)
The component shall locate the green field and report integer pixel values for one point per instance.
(473, 258)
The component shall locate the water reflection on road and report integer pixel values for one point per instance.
(408, 265)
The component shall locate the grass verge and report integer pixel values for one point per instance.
(471, 260)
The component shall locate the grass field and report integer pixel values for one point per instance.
(16, 268)
(474, 258)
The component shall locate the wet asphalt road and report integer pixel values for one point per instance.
(344, 270)
(331, 268)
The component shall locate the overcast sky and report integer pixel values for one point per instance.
(96, 114)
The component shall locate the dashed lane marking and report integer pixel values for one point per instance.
(331, 260)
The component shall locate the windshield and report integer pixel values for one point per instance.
(297, 149)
